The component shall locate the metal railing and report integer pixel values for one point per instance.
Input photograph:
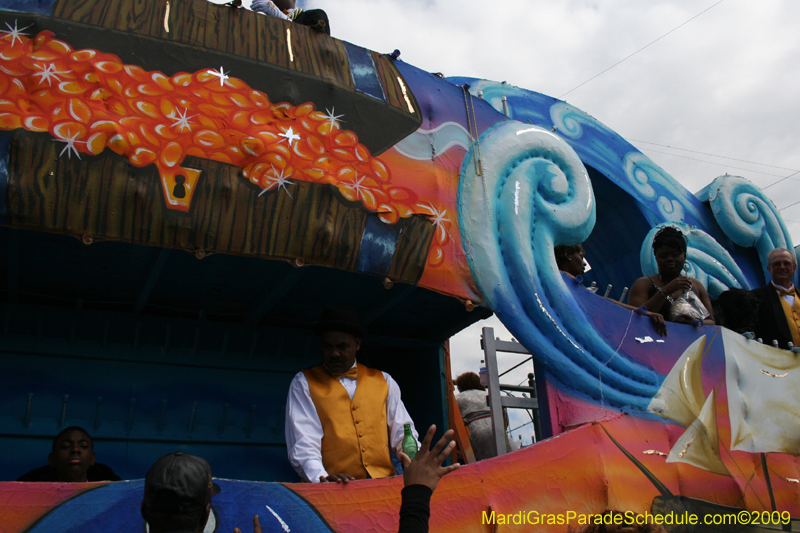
(497, 401)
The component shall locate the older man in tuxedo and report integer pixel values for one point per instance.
(779, 309)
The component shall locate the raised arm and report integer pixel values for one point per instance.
(420, 477)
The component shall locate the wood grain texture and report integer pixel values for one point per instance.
(235, 31)
(108, 198)
(390, 79)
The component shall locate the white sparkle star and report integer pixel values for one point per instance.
(333, 120)
(49, 73)
(14, 32)
(290, 136)
(437, 218)
(280, 180)
(70, 147)
(356, 186)
(181, 120)
(221, 75)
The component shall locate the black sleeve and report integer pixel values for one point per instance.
(415, 509)
(316, 19)
(101, 472)
(96, 472)
(42, 474)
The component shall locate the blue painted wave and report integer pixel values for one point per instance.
(747, 216)
(656, 194)
(529, 192)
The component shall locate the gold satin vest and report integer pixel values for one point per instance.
(355, 432)
(792, 317)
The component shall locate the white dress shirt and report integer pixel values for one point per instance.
(788, 297)
(267, 7)
(304, 429)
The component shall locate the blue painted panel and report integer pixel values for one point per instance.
(362, 68)
(613, 246)
(378, 244)
(44, 7)
(5, 148)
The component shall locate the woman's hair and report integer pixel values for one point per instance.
(671, 237)
(562, 252)
(469, 381)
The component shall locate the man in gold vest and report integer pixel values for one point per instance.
(342, 417)
(779, 310)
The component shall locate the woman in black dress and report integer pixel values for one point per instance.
(670, 292)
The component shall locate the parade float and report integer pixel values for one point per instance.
(185, 185)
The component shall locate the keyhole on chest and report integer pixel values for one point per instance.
(179, 191)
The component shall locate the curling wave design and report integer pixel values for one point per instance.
(570, 120)
(747, 216)
(648, 178)
(533, 191)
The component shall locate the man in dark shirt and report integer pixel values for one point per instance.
(72, 460)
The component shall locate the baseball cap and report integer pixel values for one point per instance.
(179, 483)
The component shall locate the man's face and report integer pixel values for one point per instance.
(339, 351)
(72, 456)
(782, 268)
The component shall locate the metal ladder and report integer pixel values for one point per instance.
(497, 402)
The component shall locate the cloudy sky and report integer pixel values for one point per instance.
(713, 94)
(718, 94)
(712, 86)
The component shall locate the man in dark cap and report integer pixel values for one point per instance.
(177, 494)
(342, 417)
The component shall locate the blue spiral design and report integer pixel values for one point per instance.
(672, 203)
(570, 120)
(532, 192)
(747, 216)
(706, 260)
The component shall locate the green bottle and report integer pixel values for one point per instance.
(409, 442)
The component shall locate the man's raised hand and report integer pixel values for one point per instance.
(426, 468)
